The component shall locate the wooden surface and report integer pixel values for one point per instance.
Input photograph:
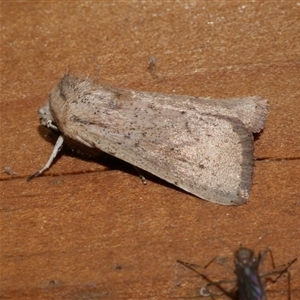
(89, 229)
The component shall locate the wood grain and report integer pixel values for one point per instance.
(89, 229)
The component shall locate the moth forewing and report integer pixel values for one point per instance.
(179, 146)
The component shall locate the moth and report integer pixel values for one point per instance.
(202, 145)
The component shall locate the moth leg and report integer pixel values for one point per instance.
(139, 171)
(50, 125)
(57, 148)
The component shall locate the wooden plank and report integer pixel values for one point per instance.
(89, 229)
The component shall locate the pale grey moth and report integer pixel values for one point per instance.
(202, 145)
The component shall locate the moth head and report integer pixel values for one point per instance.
(46, 118)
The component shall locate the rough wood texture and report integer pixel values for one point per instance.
(90, 229)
